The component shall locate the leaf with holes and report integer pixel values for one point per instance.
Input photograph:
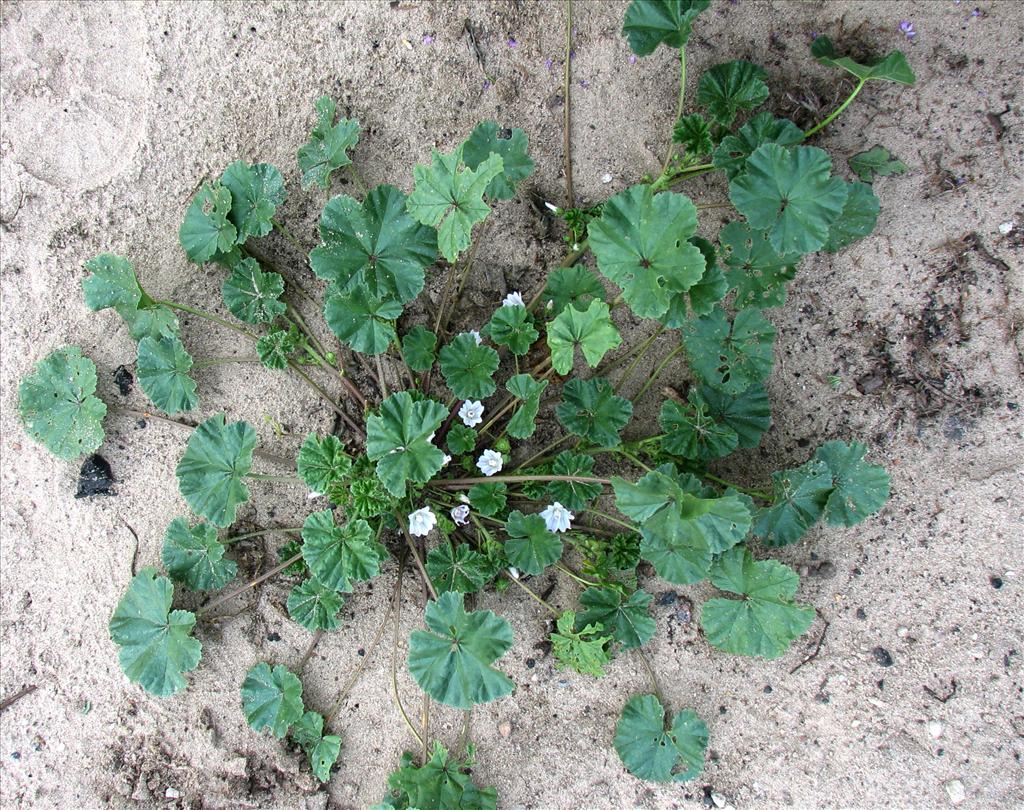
(875, 162)
(361, 320)
(512, 327)
(457, 569)
(861, 488)
(487, 139)
(398, 438)
(162, 369)
(730, 87)
(419, 348)
(591, 329)
(732, 153)
(468, 368)
(730, 357)
(218, 457)
(488, 499)
(692, 433)
(528, 391)
(586, 650)
(798, 500)
(206, 229)
(749, 413)
(252, 295)
(574, 285)
(651, 749)
(574, 495)
(328, 145)
(256, 192)
(650, 23)
(625, 617)
(314, 605)
(193, 555)
(271, 698)
(322, 750)
(757, 273)
(323, 463)
(891, 68)
(590, 409)
(860, 213)
(530, 546)
(338, 555)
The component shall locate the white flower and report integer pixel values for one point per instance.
(460, 514)
(513, 572)
(514, 299)
(421, 522)
(471, 413)
(557, 518)
(476, 336)
(489, 462)
(312, 496)
(446, 461)
(554, 209)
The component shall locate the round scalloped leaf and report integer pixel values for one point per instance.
(488, 499)
(730, 357)
(57, 406)
(650, 23)
(275, 347)
(748, 413)
(452, 662)
(272, 698)
(892, 68)
(487, 138)
(252, 295)
(640, 243)
(363, 321)
(652, 750)
(732, 153)
(627, 619)
(574, 285)
(322, 463)
(338, 555)
(590, 409)
(112, 284)
(419, 348)
(799, 498)
(573, 495)
(375, 243)
(528, 390)
(730, 87)
(457, 569)
(757, 273)
(860, 213)
(512, 327)
(468, 367)
(315, 606)
(154, 320)
(530, 546)
(256, 192)
(703, 295)
(592, 330)
(218, 457)
(791, 194)
(206, 229)
(398, 438)
(195, 557)
(328, 145)
(861, 488)
(692, 433)
(162, 369)
(692, 133)
(460, 439)
(156, 645)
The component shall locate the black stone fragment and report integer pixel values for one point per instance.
(124, 380)
(95, 477)
(882, 656)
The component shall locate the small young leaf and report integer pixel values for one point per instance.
(256, 192)
(627, 619)
(748, 413)
(892, 68)
(194, 556)
(692, 433)
(57, 406)
(876, 162)
(468, 367)
(328, 145)
(460, 439)
(457, 569)
(574, 285)
(452, 199)
(692, 133)
(360, 319)
(573, 495)
(755, 270)
(790, 194)
(218, 457)
(512, 327)
(585, 651)
(315, 606)
(272, 698)
(399, 437)
(732, 153)
(529, 391)
(275, 347)
(156, 644)
(252, 295)
(488, 499)
(703, 295)
(767, 620)
(650, 23)
(322, 462)
(438, 784)
(163, 368)
(530, 546)
(112, 284)
(861, 488)
(206, 229)
(337, 555)
(488, 138)
(365, 497)
(857, 220)
(419, 347)
(592, 330)
(730, 87)
(651, 750)
(590, 409)
(730, 358)
(799, 500)
(322, 750)
(452, 662)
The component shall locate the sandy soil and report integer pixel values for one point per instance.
(112, 115)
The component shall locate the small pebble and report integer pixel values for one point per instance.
(719, 800)
(1005, 228)
(504, 728)
(171, 793)
(935, 729)
(882, 656)
(606, 178)
(902, 632)
(955, 790)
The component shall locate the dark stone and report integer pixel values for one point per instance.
(668, 598)
(531, 663)
(273, 636)
(882, 656)
(860, 614)
(124, 380)
(996, 582)
(95, 477)
(360, 652)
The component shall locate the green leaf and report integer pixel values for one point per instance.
(488, 138)
(755, 270)
(590, 409)
(857, 220)
(650, 23)
(799, 498)
(574, 495)
(361, 320)
(252, 295)
(730, 357)
(271, 698)
(574, 285)
(151, 321)
(528, 390)
(419, 347)
(876, 162)
(703, 295)
(732, 153)
(195, 556)
(730, 87)
(163, 369)
(337, 555)
(530, 546)
(275, 347)
(452, 199)
(892, 68)
(585, 651)
(748, 413)
(457, 569)
(452, 662)
(398, 438)
(156, 644)
(206, 229)
(57, 405)
(314, 605)
(861, 488)
(218, 457)
(627, 619)
(375, 243)
(322, 750)
(640, 244)
(322, 463)
(112, 284)
(488, 499)
(790, 194)
(460, 439)
(439, 784)
(512, 327)
(366, 497)
(766, 621)
(693, 134)
(256, 192)
(468, 368)
(592, 330)
(328, 145)
(652, 750)
(692, 433)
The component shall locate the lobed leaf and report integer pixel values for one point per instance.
(730, 87)
(468, 367)
(206, 229)
(692, 433)
(162, 369)
(860, 212)
(730, 357)
(692, 133)
(193, 555)
(799, 498)
(585, 651)
(460, 439)
(218, 457)
(757, 273)
(528, 390)
(277, 346)
(651, 749)
(419, 347)
(252, 295)
(314, 605)
(575, 285)
(399, 437)
(438, 784)
(512, 327)
(322, 463)
(112, 284)
(626, 618)
(702, 296)
(271, 698)
(488, 499)
(591, 329)
(256, 192)
(749, 413)
(457, 569)
(338, 555)
(891, 68)
(328, 145)
(153, 320)
(322, 750)
(488, 138)
(650, 23)
(362, 320)
(732, 153)
(860, 488)
(875, 162)
(590, 409)
(530, 546)
(574, 495)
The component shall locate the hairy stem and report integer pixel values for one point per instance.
(209, 316)
(657, 372)
(536, 597)
(611, 519)
(416, 555)
(679, 110)
(247, 535)
(463, 483)
(567, 109)
(644, 347)
(394, 656)
(754, 493)
(277, 569)
(277, 479)
(836, 112)
(654, 678)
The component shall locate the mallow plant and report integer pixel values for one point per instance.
(431, 469)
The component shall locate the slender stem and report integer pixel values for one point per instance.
(277, 569)
(657, 372)
(536, 597)
(654, 678)
(209, 316)
(327, 397)
(380, 376)
(277, 479)
(611, 519)
(567, 109)
(394, 656)
(462, 483)
(247, 535)
(287, 234)
(357, 178)
(837, 112)
(426, 726)
(565, 569)
(755, 493)
(416, 555)
(633, 458)
(679, 109)
(709, 206)
(636, 360)
(207, 362)
(543, 452)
